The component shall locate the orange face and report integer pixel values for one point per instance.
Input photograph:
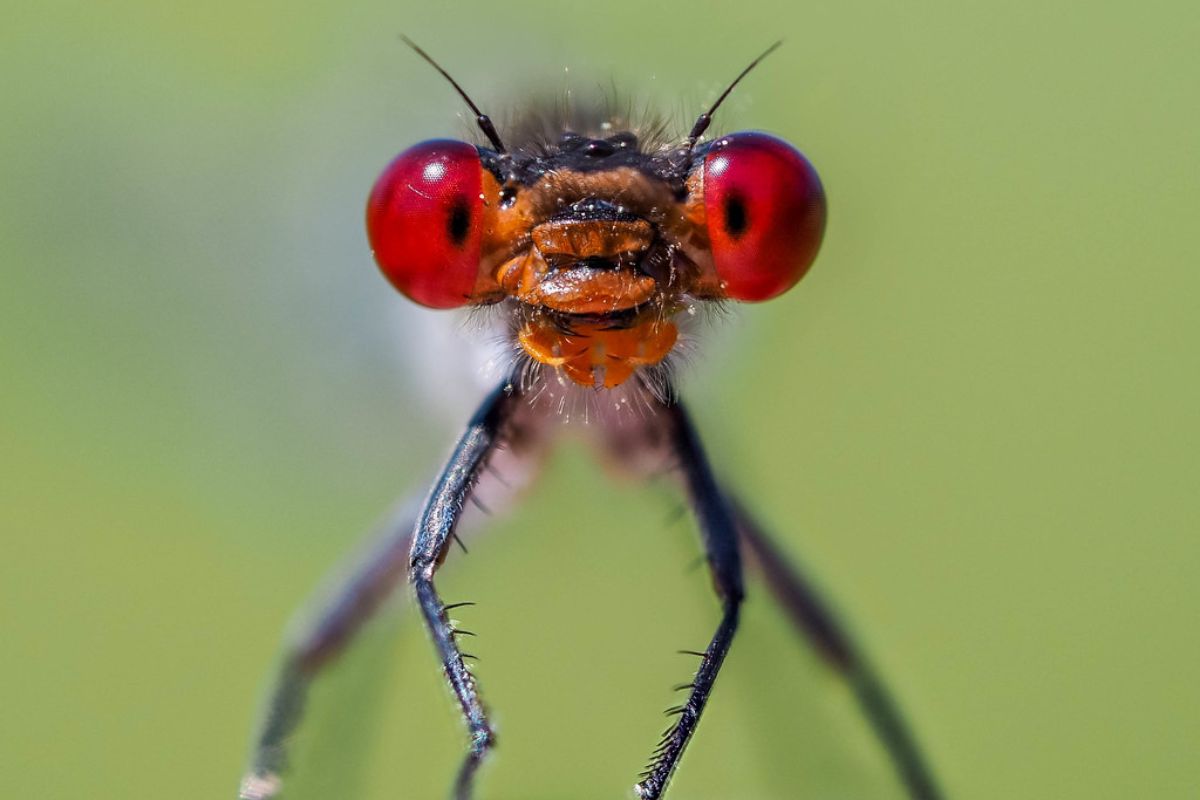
(596, 244)
(582, 269)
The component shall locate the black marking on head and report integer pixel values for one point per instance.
(599, 148)
(593, 208)
(554, 132)
(575, 153)
(551, 120)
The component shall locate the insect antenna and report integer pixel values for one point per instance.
(482, 120)
(705, 119)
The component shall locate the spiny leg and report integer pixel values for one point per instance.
(436, 526)
(811, 615)
(719, 535)
(316, 644)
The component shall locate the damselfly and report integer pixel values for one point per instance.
(594, 245)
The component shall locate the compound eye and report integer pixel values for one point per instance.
(424, 222)
(765, 213)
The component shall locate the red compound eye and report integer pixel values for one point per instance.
(765, 213)
(424, 222)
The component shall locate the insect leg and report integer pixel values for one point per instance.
(813, 617)
(435, 527)
(314, 645)
(719, 534)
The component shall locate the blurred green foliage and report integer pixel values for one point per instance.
(976, 419)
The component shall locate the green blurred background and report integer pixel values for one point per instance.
(976, 420)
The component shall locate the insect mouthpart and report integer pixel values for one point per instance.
(593, 299)
(589, 266)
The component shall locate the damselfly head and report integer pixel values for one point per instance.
(596, 239)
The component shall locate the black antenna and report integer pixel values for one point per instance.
(482, 120)
(705, 119)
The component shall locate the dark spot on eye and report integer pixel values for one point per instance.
(459, 223)
(736, 219)
(508, 196)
